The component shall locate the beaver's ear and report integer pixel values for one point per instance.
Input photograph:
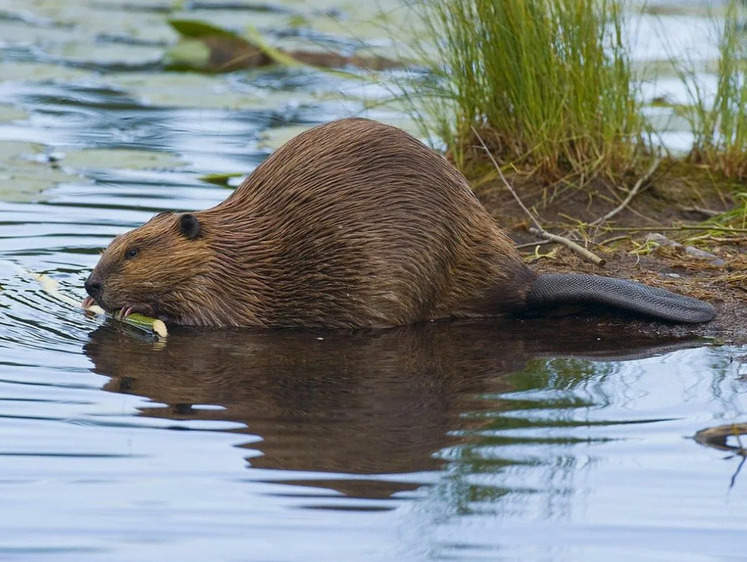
(190, 226)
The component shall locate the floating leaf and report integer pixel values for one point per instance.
(220, 51)
(225, 51)
(188, 54)
(221, 179)
(198, 29)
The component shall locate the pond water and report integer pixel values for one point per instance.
(559, 439)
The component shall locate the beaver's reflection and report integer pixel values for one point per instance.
(366, 403)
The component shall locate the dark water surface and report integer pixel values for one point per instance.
(558, 440)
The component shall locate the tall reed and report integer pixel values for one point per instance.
(718, 117)
(546, 83)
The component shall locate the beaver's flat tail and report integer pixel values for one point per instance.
(557, 289)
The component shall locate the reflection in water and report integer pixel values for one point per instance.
(360, 404)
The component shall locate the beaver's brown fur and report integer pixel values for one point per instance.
(350, 224)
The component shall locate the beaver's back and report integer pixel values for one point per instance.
(356, 223)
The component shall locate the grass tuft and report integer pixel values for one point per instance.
(546, 83)
(718, 118)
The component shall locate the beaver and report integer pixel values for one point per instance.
(351, 224)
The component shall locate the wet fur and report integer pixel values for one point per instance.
(351, 224)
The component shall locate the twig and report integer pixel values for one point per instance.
(532, 244)
(537, 230)
(609, 241)
(50, 286)
(675, 228)
(738, 240)
(632, 193)
(570, 244)
(702, 211)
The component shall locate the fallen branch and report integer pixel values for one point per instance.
(570, 244)
(537, 230)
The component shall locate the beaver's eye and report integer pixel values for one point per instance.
(131, 253)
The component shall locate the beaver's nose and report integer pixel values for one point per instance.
(93, 286)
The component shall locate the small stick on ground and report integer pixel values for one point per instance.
(537, 230)
(701, 210)
(532, 244)
(571, 245)
(728, 229)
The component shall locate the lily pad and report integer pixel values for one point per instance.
(277, 136)
(25, 173)
(12, 113)
(180, 89)
(92, 20)
(15, 32)
(109, 54)
(119, 158)
(29, 71)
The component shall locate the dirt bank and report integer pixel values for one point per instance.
(657, 240)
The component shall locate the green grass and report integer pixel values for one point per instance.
(719, 118)
(546, 83)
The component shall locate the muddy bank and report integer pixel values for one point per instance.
(657, 240)
(724, 287)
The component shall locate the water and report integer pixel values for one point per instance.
(558, 439)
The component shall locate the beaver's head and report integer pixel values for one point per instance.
(152, 269)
